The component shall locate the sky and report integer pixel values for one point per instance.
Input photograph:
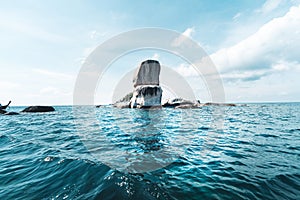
(254, 44)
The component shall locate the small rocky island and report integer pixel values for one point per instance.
(30, 109)
(34, 109)
(147, 92)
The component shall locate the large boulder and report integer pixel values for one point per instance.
(146, 96)
(181, 103)
(147, 92)
(147, 73)
(38, 109)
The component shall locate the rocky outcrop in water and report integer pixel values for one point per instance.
(146, 96)
(147, 92)
(219, 104)
(124, 102)
(181, 103)
(12, 113)
(147, 73)
(38, 109)
(4, 112)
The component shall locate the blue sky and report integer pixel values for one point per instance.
(253, 43)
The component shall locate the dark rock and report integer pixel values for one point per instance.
(12, 113)
(126, 98)
(146, 96)
(219, 104)
(3, 111)
(147, 92)
(122, 104)
(147, 73)
(38, 109)
(151, 107)
(188, 106)
(181, 103)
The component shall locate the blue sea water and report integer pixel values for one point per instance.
(255, 154)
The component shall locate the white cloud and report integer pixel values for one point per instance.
(235, 17)
(155, 56)
(188, 32)
(93, 35)
(185, 35)
(272, 49)
(269, 6)
(283, 65)
(275, 44)
(186, 70)
(245, 76)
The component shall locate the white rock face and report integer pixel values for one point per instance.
(147, 92)
(147, 73)
(146, 96)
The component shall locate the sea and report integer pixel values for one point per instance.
(248, 151)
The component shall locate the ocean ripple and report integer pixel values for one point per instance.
(255, 155)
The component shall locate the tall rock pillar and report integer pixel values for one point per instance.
(147, 92)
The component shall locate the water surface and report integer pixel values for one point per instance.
(255, 155)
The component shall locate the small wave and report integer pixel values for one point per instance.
(253, 156)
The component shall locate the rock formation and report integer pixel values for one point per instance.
(147, 73)
(219, 104)
(147, 92)
(38, 109)
(12, 113)
(4, 112)
(181, 103)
